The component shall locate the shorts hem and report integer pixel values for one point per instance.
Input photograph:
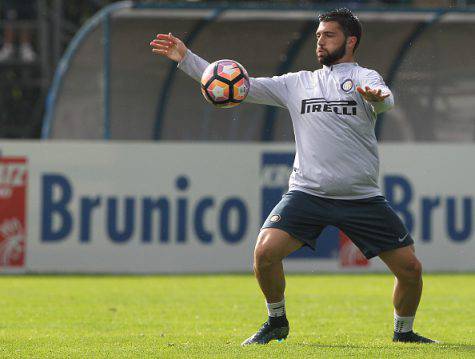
(375, 254)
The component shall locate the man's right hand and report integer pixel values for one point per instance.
(169, 46)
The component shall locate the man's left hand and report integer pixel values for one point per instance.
(371, 95)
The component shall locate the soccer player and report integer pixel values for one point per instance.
(335, 176)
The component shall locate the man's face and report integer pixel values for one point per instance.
(331, 43)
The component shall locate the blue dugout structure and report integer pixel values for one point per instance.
(109, 87)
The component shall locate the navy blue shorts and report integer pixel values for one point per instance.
(370, 223)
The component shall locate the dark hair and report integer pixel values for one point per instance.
(347, 20)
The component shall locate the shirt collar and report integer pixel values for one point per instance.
(340, 66)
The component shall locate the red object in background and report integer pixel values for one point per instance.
(350, 255)
(13, 189)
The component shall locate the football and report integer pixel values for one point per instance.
(225, 83)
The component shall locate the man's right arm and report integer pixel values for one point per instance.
(193, 65)
(263, 90)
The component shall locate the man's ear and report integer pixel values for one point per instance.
(351, 42)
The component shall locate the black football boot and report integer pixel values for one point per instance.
(411, 337)
(271, 330)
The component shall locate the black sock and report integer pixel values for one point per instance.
(278, 321)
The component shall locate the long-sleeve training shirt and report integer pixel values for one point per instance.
(336, 148)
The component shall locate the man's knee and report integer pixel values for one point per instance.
(265, 252)
(411, 272)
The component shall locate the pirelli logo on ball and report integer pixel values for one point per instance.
(311, 105)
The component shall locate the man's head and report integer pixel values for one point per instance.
(338, 36)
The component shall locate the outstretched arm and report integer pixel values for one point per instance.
(263, 90)
(372, 95)
(380, 101)
(169, 46)
(173, 48)
(375, 92)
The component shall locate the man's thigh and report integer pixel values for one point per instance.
(276, 244)
(300, 215)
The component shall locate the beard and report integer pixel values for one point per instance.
(332, 57)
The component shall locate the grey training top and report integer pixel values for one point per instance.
(336, 148)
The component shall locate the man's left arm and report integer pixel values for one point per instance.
(375, 92)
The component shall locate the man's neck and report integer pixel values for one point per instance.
(345, 59)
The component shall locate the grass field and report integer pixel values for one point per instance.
(208, 316)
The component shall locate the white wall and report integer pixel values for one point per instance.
(78, 192)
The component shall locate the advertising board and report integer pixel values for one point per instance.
(125, 207)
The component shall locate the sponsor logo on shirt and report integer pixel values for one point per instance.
(311, 105)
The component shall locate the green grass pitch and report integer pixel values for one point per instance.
(331, 316)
